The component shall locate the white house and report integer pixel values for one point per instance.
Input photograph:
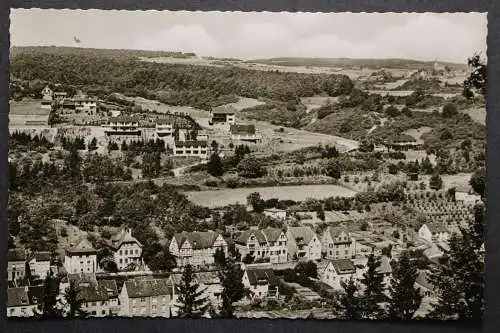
(434, 232)
(277, 245)
(164, 128)
(127, 250)
(261, 281)
(196, 248)
(275, 213)
(466, 195)
(87, 105)
(252, 242)
(47, 93)
(81, 258)
(16, 264)
(202, 136)
(222, 115)
(303, 243)
(337, 243)
(147, 298)
(338, 271)
(39, 263)
(191, 148)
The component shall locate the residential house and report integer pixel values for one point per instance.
(211, 285)
(39, 263)
(277, 247)
(191, 148)
(261, 281)
(23, 301)
(122, 125)
(202, 136)
(303, 243)
(222, 115)
(127, 250)
(275, 213)
(252, 242)
(241, 132)
(337, 243)
(47, 93)
(81, 258)
(85, 104)
(434, 232)
(338, 271)
(59, 95)
(147, 298)
(16, 264)
(196, 248)
(466, 195)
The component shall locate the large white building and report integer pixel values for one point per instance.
(262, 244)
(337, 243)
(222, 115)
(81, 258)
(147, 298)
(196, 248)
(191, 148)
(122, 125)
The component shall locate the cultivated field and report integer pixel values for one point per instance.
(23, 113)
(223, 197)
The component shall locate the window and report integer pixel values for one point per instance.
(88, 262)
(126, 252)
(103, 312)
(121, 261)
(94, 313)
(121, 252)
(153, 307)
(143, 300)
(93, 303)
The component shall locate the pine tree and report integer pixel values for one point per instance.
(233, 288)
(192, 302)
(74, 301)
(373, 294)
(48, 307)
(214, 166)
(349, 304)
(459, 277)
(404, 298)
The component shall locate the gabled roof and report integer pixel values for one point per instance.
(101, 291)
(261, 276)
(336, 231)
(40, 256)
(110, 287)
(304, 233)
(422, 280)
(245, 235)
(83, 246)
(272, 234)
(82, 278)
(197, 239)
(343, 266)
(16, 255)
(124, 236)
(242, 129)
(17, 297)
(385, 265)
(146, 288)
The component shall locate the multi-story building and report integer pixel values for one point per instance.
(121, 125)
(23, 301)
(147, 298)
(303, 243)
(252, 242)
(434, 232)
(191, 148)
(16, 264)
(277, 247)
(336, 272)
(127, 250)
(222, 116)
(39, 264)
(275, 213)
(260, 281)
(81, 258)
(337, 243)
(164, 128)
(86, 104)
(196, 248)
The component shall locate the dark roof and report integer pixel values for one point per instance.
(245, 235)
(17, 296)
(343, 266)
(146, 288)
(110, 287)
(122, 237)
(272, 234)
(243, 129)
(83, 246)
(191, 143)
(422, 279)
(16, 255)
(164, 121)
(40, 256)
(197, 239)
(336, 231)
(224, 110)
(123, 119)
(259, 276)
(304, 233)
(35, 294)
(102, 291)
(82, 278)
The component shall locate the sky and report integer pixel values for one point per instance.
(255, 35)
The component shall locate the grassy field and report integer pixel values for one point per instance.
(26, 111)
(218, 198)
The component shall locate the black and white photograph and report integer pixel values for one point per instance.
(180, 164)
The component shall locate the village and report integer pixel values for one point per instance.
(353, 213)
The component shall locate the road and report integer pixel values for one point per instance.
(180, 170)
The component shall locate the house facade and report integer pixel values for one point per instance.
(222, 116)
(47, 93)
(337, 243)
(246, 133)
(122, 125)
(338, 271)
(277, 245)
(16, 264)
(275, 213)
(39, 264)
(303, 243)
(82, 258)
(23, 301)
(164, 128)
(127, 250)
(191, 148)
(433, 232)
(87, 105)
(147, 298)
(252, 242)
(196, 248)
(260, 281)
